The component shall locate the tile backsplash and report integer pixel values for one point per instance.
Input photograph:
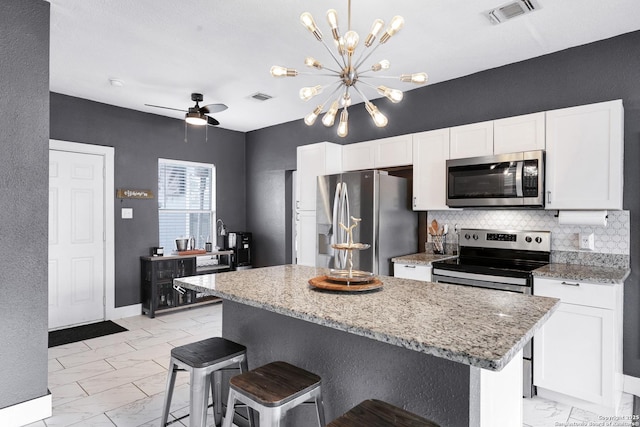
(612, 239)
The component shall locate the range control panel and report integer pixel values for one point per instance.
(506, 239)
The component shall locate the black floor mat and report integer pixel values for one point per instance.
(84, 332)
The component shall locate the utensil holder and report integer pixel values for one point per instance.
(438, 241)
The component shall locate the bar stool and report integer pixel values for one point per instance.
(272, 390)
(202, 359)
(376, 413)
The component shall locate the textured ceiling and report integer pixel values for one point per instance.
(165, 49)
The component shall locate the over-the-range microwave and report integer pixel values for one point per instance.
(505, 180)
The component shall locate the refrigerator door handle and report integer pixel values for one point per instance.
(334, 220)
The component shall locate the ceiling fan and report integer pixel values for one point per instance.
(198, 115)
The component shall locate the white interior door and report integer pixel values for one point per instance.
(76, 238)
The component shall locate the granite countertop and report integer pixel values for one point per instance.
(422, 258)
(586, 273)
(478, 327)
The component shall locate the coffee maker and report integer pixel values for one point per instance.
(240, 243)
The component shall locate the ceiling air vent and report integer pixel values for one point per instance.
(261, 96)
(512, 10)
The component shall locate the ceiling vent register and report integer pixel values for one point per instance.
(512, 10)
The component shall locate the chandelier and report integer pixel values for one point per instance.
(350, 72)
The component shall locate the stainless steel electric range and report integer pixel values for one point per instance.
(501, 260)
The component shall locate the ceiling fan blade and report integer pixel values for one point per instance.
(212, 122)
(213, 108)
(166, 108)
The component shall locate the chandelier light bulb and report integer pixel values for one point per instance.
(378, 118)
(332, 19)
(310, 118)
(278, 71)
(306, 93)
(330, 116)
(382, 65)
(396, 25)
(312, 62)
(373, 33)
(343, 126)
(394, 95)
(307, 20)
(417, 78)
(351, 39)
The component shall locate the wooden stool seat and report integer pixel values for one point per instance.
(274, 389)
(203, 360)
(275, 384)
(207, 352)
(376, 413)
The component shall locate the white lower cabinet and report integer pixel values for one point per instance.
(412, 271)
(578, 351)
(306, 238)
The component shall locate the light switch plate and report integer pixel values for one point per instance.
(127, 213)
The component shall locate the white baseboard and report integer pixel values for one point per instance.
(26, 412)
(631, 385)
(126, 311)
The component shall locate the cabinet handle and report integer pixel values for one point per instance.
(409, 266)
(570, 284)
(297, 204)
(548, 196)
(414, 202)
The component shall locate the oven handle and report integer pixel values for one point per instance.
(481, 284)
(480, 277)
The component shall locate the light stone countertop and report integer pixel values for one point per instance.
(584, 273)
(422, 258)
(478, 327)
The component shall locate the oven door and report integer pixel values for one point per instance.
(504, 180)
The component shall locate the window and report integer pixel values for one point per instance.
(186, 202)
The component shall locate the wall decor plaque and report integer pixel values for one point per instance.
(126, 193)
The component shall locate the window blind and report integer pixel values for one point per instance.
(185, 202)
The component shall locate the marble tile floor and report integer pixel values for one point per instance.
(119, 380)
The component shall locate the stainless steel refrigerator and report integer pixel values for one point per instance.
(388, 223)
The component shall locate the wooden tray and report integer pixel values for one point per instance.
(192, 252)
(323, 282)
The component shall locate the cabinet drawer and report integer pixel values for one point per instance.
(412, 271)
(581, 293)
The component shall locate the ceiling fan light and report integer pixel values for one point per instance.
(195, 119)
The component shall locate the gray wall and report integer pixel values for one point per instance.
(601, 71)
(139, 140)
(24, 191)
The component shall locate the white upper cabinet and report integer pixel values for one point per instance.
(472, 140)
(519, 133)
(359, 156)
(395, 151)
(584, 167)
(380, 153)
(313, 160)
(430, 153)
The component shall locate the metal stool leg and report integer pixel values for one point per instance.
(171, 381)
(216, 393)
(228, 416)
(199, 397)
(320, 409)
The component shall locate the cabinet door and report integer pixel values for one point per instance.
(520, 133)
(584, 167)
(412, 271)
(314, 160)
(472, 140)
(396, 151)
(358, 156)
(574, 353)
(306, 238)
(430, 153)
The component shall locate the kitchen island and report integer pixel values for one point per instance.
(449, 353)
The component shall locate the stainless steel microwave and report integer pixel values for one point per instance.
(504, 180)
